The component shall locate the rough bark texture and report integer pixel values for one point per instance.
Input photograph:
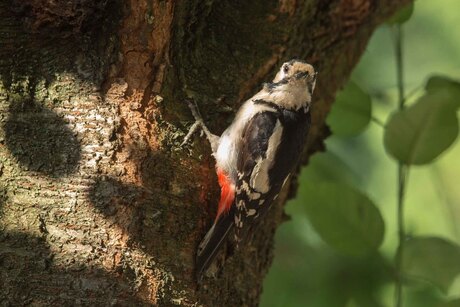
(98, 203)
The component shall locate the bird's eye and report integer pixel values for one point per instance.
(285, 68)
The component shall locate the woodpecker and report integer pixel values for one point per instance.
(256, 154)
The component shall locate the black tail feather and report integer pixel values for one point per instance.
(212, 241)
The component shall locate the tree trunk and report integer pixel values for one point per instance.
(99, 205)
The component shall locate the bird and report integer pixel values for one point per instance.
(256, 154)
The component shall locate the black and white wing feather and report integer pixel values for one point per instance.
(269, 154)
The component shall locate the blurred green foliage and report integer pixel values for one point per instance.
(424, 130)
(344, 217)
(319, 258)
(432, 259)
(351, 112)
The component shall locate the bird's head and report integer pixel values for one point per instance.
(297, 73)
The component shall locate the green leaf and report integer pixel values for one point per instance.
(402, 15)
(441, 83)
(420, 133)
(435, 83)
(454, 303)
(344, 217)
(328, 166)
(351, 111)
(351, 303)
(432, 259)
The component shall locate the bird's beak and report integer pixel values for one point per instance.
(314, 82)
(314, 76)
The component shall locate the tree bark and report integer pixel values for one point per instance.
(99, 205)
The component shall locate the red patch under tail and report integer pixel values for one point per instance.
(227, 193)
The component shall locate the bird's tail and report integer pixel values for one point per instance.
(210, 245)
